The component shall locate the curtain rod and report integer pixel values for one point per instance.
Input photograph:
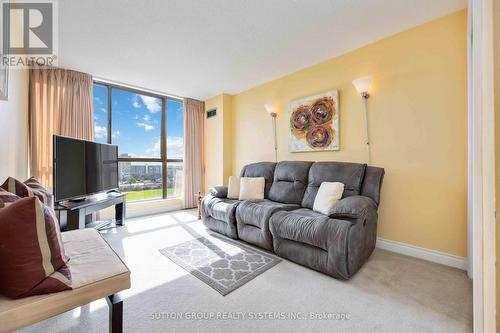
(130, 86)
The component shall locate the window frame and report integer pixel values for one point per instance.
(163, 131)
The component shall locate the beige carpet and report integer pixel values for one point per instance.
(391, 293)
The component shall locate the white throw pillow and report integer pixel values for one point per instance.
(328, 195)
(252, 188)
(233, 187)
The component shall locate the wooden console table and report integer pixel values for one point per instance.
(72, 215)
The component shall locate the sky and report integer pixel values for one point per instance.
(136, 123)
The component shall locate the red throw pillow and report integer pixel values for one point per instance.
(41, 192)
(22, 190)
(6, 197)
(32, 259)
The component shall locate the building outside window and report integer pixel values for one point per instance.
(149, 132)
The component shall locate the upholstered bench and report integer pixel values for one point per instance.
(97, 272)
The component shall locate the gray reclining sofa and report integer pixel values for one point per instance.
(285, 223)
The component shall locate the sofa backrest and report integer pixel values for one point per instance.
(260, 169)
(298, 181)
(372, 183)
(290, 181)
(351, 174)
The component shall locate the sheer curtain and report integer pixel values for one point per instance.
(193, 151)
(60, 102)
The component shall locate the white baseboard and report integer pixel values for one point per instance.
(423, 253)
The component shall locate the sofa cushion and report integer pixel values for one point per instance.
(7, 198)
(104, 263)
(328, 195)
(17, 187)
(313, 240)
(306, 226)
(261, 169)
(219, 215)
(290, 181)
(32, 259)
(252, 220)
(350, 174)
(219, 208)
(257, 212)
(252, 188)
(233, 187)
(22, 190)
(41, 192)
(355, 206)
(372, 183)
(218, 191)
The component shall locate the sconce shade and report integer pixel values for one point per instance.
(362, 84)
(269, 109)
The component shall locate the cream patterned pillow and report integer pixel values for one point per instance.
(233, 187)
(252, 188)
(328, 195)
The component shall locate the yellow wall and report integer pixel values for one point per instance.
(218, 147)
(14, 127)
(227, 132)
(418, 127)
(496, 36)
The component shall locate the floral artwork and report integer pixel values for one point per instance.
(314, 123)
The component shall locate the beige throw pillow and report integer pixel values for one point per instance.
(328, 195)
(252, 188)
(233, 187)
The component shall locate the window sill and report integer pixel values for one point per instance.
(145, 207)
(150, 207)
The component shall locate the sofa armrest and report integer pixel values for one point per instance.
(218, 191)
(354, 207)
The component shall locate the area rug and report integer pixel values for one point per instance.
(223, 264)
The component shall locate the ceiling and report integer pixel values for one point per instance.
(201, 48)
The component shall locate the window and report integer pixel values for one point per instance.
(149, 132)
(175, 146)
(101, 113)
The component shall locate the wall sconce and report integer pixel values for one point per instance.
(362, 85)
(270, 111)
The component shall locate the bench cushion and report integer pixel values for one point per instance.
(97, 271)
(91, 258)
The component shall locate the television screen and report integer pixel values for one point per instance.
(83, 168)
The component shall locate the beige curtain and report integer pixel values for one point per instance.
(60, 102)
(194, 162)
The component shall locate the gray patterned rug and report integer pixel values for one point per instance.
(223, 264)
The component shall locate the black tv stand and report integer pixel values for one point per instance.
(72, 214)
(77, 200)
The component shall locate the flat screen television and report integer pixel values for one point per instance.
(83, 168)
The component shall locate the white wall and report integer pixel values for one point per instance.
(14, 128)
